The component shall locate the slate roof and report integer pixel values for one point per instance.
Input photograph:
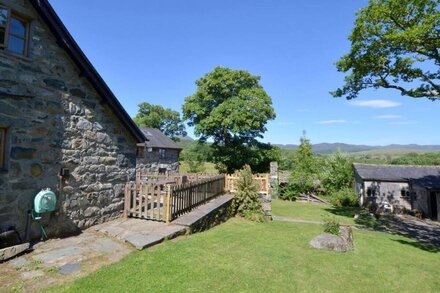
(426, 176)
(66, 41)
(156, 139)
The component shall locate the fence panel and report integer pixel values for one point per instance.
(146, 201)
(187, 196)
(262, 181)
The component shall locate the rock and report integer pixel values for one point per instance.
(346, 233)
(36, 170)
(328, 241)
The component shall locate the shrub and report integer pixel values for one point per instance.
(345, 198)
(246, 202)
(418, 214)
(331, 225)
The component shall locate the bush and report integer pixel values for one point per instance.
(345, 198)
(246, 202)
(331, 225)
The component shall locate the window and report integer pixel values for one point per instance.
(2, 147)
(14, 32)
(162, 153)
(404, 192)
(141, 152)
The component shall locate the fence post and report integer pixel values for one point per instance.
(168, 205)
(126, 200)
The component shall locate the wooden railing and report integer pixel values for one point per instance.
(167, 201)
(187, 196)
(262, 181)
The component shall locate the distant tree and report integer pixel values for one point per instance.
(394, 45)
(232, 108)
(304, 177)
(165, 119)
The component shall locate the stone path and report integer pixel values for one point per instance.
(58, 261)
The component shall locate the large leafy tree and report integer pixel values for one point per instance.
(165, 119)
(231, 108)
(394, 45)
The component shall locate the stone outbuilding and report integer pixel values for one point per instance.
(402, 186)
(159, 154)
(61, 127)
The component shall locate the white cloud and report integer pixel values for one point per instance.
(375, 103)
(387, 116)
(336, 121)
(403, 123)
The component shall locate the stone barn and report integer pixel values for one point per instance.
(61, 127)
(159, 154)
(409, 187)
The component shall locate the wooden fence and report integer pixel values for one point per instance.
(166, 202)
(262, 181)
(187, 196)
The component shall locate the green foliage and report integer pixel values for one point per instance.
(331, 224)
(418, 159)
(232, 108)
(394, 45)
(304, 178)
(345, 198)
(155, 116)
(246, 202)
(336, 172)
(195, 154)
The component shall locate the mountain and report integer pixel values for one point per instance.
(327, 148)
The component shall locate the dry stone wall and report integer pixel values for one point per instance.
(55, 120)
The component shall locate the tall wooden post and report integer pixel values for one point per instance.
(168, 205)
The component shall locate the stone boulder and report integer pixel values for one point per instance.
(341, 243)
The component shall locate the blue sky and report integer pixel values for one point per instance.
(153, 51)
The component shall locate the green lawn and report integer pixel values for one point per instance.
(242, 256)
(312, 212)
(207, 168)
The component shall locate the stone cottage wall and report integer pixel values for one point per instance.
(153, 161)
(56, 120)
(387, 191)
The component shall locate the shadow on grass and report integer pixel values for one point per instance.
(364, 218)
(427, 237)
(420, 245)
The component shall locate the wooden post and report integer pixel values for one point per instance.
(126, 200)
(168, 205)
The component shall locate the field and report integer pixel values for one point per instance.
(242, 256)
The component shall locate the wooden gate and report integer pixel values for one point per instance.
(146, 201)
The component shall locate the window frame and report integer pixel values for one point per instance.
(26, 35)
(5, 44)
(162, 153)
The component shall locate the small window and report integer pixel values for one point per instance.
(14, 32)
(140, 152)
(404, 192)
(2, 147)
(162, 153)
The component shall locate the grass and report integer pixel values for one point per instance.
(312, 212)
(242, 256)
(207, 168)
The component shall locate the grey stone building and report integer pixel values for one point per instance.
(410, 187)
(61, 127)
(159, 154)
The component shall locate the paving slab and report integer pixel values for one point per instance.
(140, 233)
